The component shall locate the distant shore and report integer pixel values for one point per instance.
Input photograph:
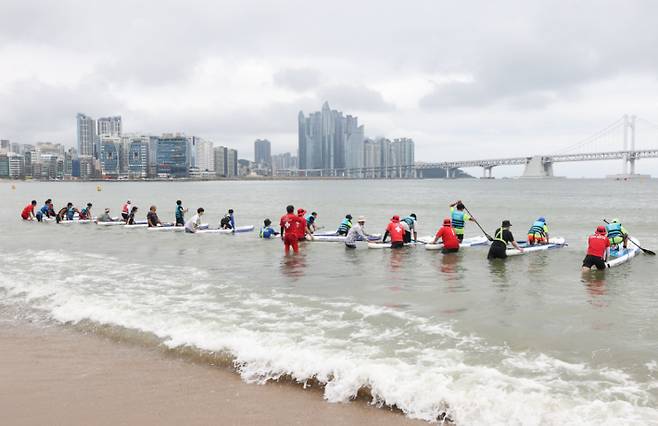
(56, 375)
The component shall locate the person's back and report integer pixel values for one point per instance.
(502, 236)
(193, 224)
(267, 231)
(396, 231)
(597, 248)
(105, 217)
(447, 234)
(345, 225)
(538, 232)
(355, 234)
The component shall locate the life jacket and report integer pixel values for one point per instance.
(179, 212)
(345, 225)
(266, 232)
(537, 228)
(225, 222)
(409, 220)
(83, 213)
(124, 209)
(457, 217)
(614, 230)
(498, 236)
(70, 214)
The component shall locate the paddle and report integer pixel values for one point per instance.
(647, 251)
(476, 222)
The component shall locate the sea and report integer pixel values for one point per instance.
(525, 341)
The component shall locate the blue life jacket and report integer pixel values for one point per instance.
(70, 213)
(266, 232)
(45, 209)
(537, 228)
(179, 212)
(457, 217)
(410, 221)
(345, 225)
(310, 219)
(614, 230)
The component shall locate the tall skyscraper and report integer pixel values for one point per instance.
(221, 166)
(111, 156)
(329, 140)
(263, 152)
(86, 133)
(109, 126)
(137, 155)
(172, 156)
(202, 154)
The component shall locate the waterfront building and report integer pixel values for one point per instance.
(263, 152)
(110, 126)
(137, 156)
(172, 156)
(111, 153)
(86, 136)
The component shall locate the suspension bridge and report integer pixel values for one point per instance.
(623, 133)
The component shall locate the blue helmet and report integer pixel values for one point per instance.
(542, 219)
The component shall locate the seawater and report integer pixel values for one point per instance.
(526, 341)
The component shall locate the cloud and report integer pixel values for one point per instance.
(297, 79)
(350, 97)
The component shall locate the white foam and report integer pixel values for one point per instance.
(420, 365)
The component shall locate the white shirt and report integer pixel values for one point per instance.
(193, 223)
(355, 234)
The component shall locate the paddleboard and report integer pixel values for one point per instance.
(468, 242)
(238, 229)
(115, 223)
(167, 227)
(622, 255)
(420, 241)
(76, 221)
(553, 243)
(340, 238)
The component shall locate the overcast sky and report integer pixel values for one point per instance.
(465, 80)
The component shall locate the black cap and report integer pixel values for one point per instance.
(349, 216)
(506, 224)
(230, 211)
(413, 215)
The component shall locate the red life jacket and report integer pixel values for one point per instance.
(396, 231)
(597, 244)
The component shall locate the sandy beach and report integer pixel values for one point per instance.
(56, 375)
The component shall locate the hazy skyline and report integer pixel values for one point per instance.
(465, 81)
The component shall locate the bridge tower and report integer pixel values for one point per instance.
(538, 167)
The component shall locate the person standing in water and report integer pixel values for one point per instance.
(502, 236)
(597, 250)
(180, 213)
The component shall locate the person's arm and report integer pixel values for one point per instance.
(455, 203)
(232, 222)
(514, 243)
(281, 224)
(385, 236)
(468, 218)
(415, 233)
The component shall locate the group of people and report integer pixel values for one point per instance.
(296, 226)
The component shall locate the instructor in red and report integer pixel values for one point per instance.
(291, 226)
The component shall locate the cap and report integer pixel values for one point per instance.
(541, 219)
(600, 230)
(301, 211)
(361, 219)
(107, 210)
(506, 223)
(348, 216)
(615, 220)
(447, 221)
(395, 218)
(413, 215)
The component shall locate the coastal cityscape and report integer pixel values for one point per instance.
(330, 144)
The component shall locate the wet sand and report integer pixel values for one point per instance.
(55, 375)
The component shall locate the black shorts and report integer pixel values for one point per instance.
(497, 251)
(124, 216)
(180, 221)
(397, 244)
(460, 237)
(590, 261)
(449, 250)
(407, 236)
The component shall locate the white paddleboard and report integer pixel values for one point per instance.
(468, 242)
(621, 255)
(238, 229)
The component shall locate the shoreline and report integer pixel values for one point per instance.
(57, 375)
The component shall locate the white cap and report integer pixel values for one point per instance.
(361, 219)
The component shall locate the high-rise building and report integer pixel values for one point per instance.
(137, 156)
(329, 140)
(4, 165)
(263, 152)
(5, 145)
(110, 126)
(232, 163)
(403, 157)
(203, 158)
(172, 155)
(111, 156)
(86, 134)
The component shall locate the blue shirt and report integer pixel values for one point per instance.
(267, 232)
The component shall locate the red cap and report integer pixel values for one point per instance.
(301, 211)
(395, 218)
(601, 230)
(447, 222)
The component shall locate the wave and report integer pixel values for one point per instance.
(419, 365)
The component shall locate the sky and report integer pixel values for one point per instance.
(465, 80)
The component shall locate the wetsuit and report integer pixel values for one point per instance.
(498, 249)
